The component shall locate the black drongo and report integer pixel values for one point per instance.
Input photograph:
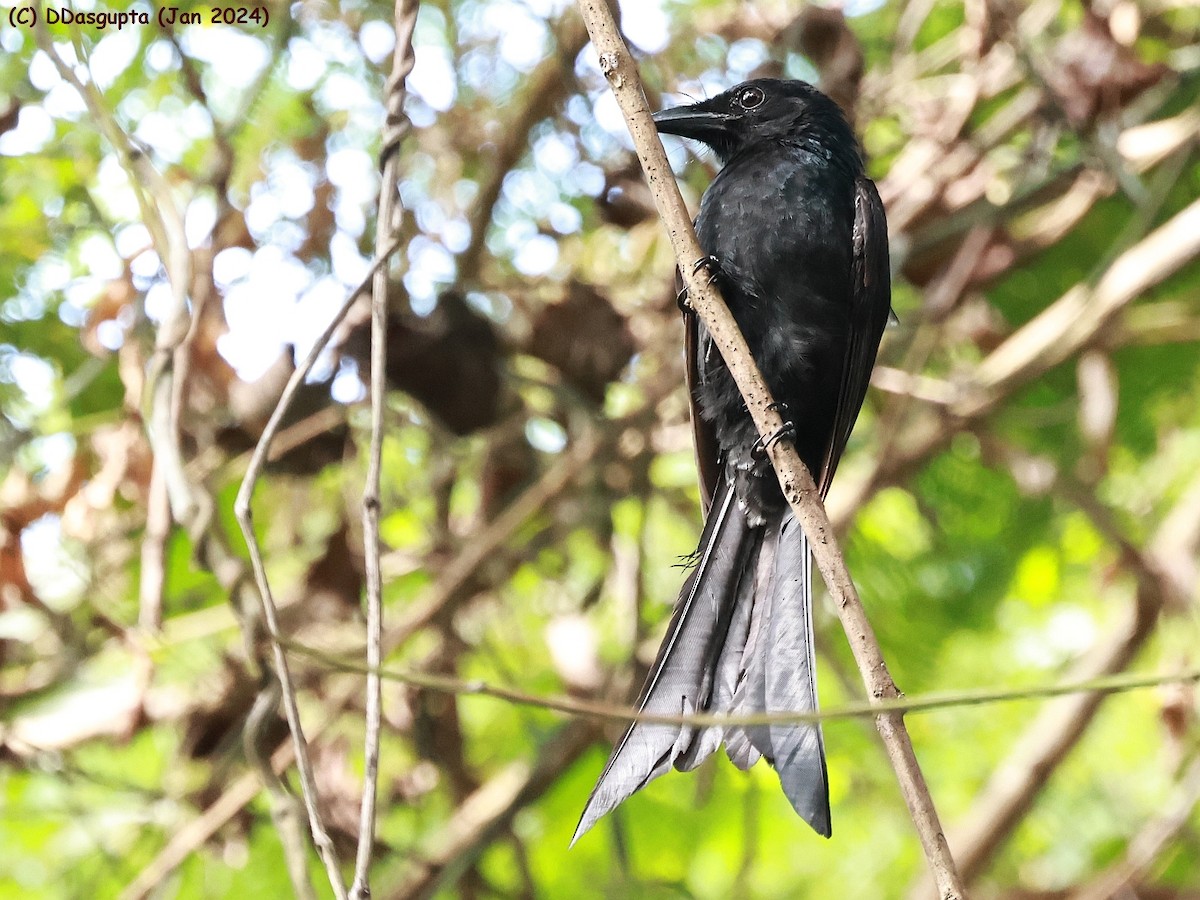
(798, 247)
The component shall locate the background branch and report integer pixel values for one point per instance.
(387, 226)
(1020, 496)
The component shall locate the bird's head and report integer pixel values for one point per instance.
(761, 111)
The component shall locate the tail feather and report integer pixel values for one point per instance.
(796, 751)
(780, 675)
(740, 641)
(743, 745)
(728, 668)
(681, 679)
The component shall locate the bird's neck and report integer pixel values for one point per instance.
(822, 142)
(808, 149)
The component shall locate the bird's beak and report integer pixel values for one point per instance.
(697, 124)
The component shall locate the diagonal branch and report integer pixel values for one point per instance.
(1060, 725)
(1148, 844)
(545, 87)
(487, 812)
(797, 483)
(1050, 737)
(1076, 319)
(1082, 317)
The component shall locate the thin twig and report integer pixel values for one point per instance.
(243, 511)
(1101, 685)
(442, 597)
(386, 226)
(286, 811)
(796, 481)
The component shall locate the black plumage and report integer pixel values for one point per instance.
(799, 245)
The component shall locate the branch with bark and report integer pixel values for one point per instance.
(797, 483)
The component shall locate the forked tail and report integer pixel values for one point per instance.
(740, 641)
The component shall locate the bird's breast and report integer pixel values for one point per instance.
(782, 230)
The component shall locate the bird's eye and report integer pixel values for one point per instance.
(751, 98)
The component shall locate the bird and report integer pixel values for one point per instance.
(796, 240)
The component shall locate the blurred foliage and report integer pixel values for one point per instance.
(1050, 533)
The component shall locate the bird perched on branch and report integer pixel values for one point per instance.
(797, 244)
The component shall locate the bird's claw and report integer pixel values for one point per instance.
(708, 262)
(705, 262)
(681, 300)
(786, 430)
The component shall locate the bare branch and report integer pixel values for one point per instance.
(797, 483)
(1079, 316)
(1043, 745)
(387, 226)
(1060, 725)
(1149, 843)
(244, 514)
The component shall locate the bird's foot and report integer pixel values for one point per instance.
(681, 300)
(711, 263)
(786, 430)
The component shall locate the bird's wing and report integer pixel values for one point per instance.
(704, 439)
(871, 303)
